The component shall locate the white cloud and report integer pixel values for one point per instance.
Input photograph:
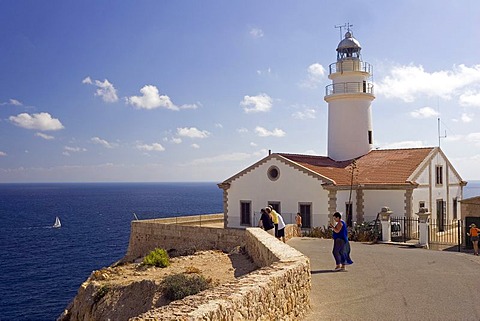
(308, 113)
(256, 33)
(103, 142)
(176, 140)
(218, 125)
(155, 147)
(267, 71)
(196, 146)
(67, 150)
(315, 75)
(470, 98)
(13, 102)
(410, 82)
(254, 104)
(87, 80)
(152, 99)
(466, 118)
(75, 149)
(44, 136)
(242, 130)
(473, 138)
(2, 154)
(104, 89)
(262, 132)
(404, 144)
(233, 157)
(192, 132)
(425, 112)
(40, 121)
(253, 144)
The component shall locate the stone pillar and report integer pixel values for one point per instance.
(386, 225)
(423, 223)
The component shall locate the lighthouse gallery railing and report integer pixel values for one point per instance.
(349, 88)
(350, 65)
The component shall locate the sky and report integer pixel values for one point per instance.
(165, 91)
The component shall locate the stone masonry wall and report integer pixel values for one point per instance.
(278, 290)
(146, 235)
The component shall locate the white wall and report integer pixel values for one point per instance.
(374, 200)
(291, 188)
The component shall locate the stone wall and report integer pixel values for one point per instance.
(146, 235)
(278, 290)
(470, 207)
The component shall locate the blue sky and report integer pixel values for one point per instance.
(199, 90)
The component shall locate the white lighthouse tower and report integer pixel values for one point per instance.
(349, 99)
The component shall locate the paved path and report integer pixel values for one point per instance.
(389, 282)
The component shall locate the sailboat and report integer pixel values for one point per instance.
(57, 223)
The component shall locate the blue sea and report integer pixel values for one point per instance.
(41, 268)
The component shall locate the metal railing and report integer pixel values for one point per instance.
(446, 233)
(350, 65)
(349, 88)
(404, 229)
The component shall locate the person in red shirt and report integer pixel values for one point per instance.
(474, 237)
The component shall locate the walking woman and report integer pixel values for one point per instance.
(341, 246)
(474, 237)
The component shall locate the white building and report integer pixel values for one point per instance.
(353, 178)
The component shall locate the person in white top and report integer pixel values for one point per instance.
(281, 228)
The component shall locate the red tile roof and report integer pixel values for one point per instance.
(378, 167)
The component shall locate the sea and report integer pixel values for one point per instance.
(41, 267)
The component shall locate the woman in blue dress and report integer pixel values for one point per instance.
(341, 246)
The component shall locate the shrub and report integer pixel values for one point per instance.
(157, 257)
(364, 232)
(101, 293)
(320, 232)
(178, 286)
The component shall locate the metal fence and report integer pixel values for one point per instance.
(445, 234)
(404, 229)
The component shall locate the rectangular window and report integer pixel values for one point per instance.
(370, 137)
(306, 214)
(421, 204)
(276, 206)
(455, 209)
(439, 175)
(245, 213)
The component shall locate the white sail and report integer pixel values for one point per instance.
(57, 222)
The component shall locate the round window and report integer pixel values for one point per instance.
(273, 173)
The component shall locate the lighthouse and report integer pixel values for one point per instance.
(349, 99)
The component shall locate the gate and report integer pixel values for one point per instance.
(444, 235)
(404, 229)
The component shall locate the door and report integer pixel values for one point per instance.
(306, 214)
(441, 215)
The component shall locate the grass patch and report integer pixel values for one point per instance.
(178, 286)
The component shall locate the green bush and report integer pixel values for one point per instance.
(364, 232)
(178, 286)
(101, 293)
(320, 232)
(158, 258)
